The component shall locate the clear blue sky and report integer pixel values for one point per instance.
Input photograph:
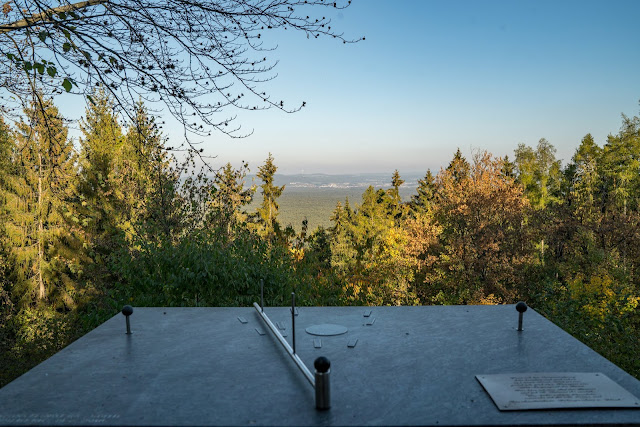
(432, 76)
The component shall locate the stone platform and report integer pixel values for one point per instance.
(222, 366)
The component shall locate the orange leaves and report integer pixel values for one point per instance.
(6, 8)
(480, 212)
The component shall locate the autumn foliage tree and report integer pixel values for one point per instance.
(483, 243)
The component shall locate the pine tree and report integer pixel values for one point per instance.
(149, 180)
(508, 168)
(459, 167)
(342, 251)
(230, 196)
(268, 210)
(338, 218)
(100, 205)
(6, 166)
(347, 209)
(426, 191)
(396, 182)
(584, 179)
(43, 251)
(368, 251)
(620, 165)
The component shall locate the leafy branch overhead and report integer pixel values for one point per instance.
(199, 58)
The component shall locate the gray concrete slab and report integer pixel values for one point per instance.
(204, 366)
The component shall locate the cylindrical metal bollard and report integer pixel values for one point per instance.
(323, 395)
(127, 310)
(521, 307)
(293, 321)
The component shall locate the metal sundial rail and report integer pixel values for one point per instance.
(320, 381)
(286, 345)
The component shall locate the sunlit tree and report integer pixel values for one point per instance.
(484, 244)
(43, 251)
(267, 213)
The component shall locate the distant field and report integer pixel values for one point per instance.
(316, 204)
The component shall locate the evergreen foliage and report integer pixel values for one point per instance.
(41, 248)
(118, 221)
(268, 211)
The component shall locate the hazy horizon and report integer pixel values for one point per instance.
(435, 76)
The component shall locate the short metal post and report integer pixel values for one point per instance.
(293, 320)
(521, 307)
(262, 294)
(127, 310)
(322, 386)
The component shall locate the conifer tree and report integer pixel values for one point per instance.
(620, 191)
(396, 206)
(149, 180)
(422, 201)
(508, 168)
(368, 251)
(268, 210)
(347, 209)
(38, 189)
(458, 167)
(99, 204)
(620, 165)
(584, 179)
(342, 252)
(230, 196)
(396, 182)
(338, 218)
(6, 165)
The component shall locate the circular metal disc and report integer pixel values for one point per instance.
(327, 329)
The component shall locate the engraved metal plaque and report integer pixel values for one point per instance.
(555, 390)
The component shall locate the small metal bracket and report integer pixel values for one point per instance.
(317, 343)
(352, 342)
(260, 331)
(281, 326)
(242, 320)
(367, 313)
(371, 321)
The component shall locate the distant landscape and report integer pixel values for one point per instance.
(314, 196)
(116, 225)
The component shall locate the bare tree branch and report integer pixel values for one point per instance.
(47, 15)
(200, 58)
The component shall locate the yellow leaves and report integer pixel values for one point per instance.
(351, 291)
(602, 296)
(597, 286)
(490, 299)
(393, 243)
(297, 253)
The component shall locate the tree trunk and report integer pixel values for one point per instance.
(40, 232)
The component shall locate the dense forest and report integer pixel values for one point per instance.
(113, 218)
